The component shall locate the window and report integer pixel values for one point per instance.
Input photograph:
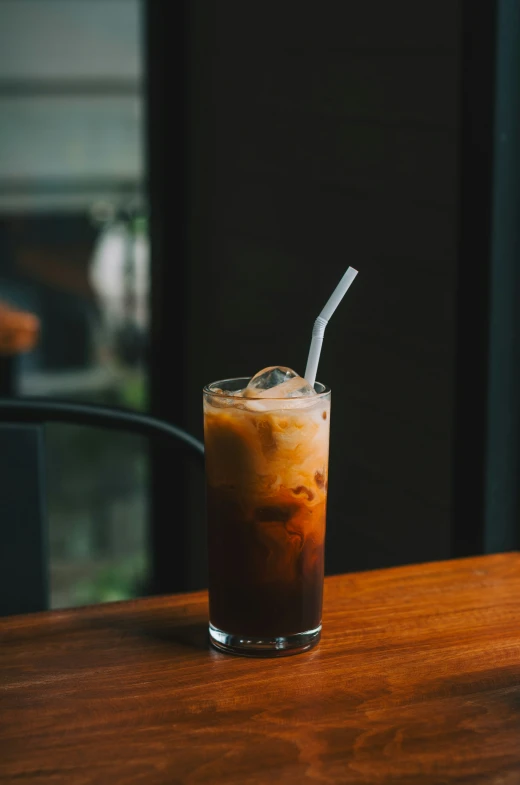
(74, 251)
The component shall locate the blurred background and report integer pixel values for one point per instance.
(182, 186)
(74, 250)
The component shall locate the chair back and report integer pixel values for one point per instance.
(24, 567)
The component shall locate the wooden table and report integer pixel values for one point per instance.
(417, 680)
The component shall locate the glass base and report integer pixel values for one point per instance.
(254, 646)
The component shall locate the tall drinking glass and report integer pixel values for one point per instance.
(266, 470)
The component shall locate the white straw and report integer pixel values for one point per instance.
(321, 322)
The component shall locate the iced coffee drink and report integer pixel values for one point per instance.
(267, 444)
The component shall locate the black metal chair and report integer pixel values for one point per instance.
(24, 585)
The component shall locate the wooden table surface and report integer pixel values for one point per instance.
(416, 680)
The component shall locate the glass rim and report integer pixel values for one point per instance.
(208, 391)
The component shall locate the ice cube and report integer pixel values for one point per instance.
(220, 398)
(227, 393)
(270, 377)
(278, 382)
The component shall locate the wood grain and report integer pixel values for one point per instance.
(416, 680)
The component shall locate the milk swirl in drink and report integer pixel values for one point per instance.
(267, 445)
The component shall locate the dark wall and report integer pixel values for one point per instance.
(327, 136)
(323, 135)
